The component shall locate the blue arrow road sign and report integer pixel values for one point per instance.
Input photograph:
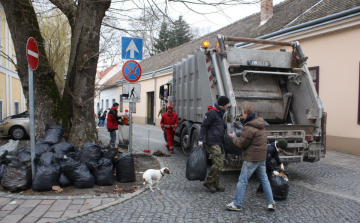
(131, 48)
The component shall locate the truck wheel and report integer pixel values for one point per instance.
(185, 141)
(195, 139)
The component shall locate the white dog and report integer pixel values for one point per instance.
(152, 176)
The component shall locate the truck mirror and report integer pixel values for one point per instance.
(162, 91)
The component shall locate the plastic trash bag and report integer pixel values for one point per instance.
(46, 176)
(125, 168)
(103, 172)
(78, 173)
(279, 186)
(196, 164)
(11, 147)
(109, 152)
(41, 148)
(229, 146)
(3, 154)
(62, 148)
(50, 158)
(64, 181)
(90, 153)
(18, 176)
(3, 169)
(53, 134)
(24, 155)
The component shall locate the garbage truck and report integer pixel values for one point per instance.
(277, 83)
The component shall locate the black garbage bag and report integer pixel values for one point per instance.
(46, 176)
(64, 181)
(196, 164)
(90, 153)
(53, 134)
(3, 169)
(109, 152)
(3, 154)
(103, 172)
(62, 148)
(125, 168)
(50, 158)
(24, 155)
(18, 176)
(41, 148)
(78, 173)
(229, 146)
(279, 186)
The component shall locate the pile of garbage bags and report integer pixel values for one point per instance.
(60, 163)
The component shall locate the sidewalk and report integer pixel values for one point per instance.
(345, 160)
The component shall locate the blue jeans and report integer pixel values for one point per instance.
(101, 123)
(112, 138)
(248, 168)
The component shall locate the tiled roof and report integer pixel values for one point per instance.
(112, 81)
(106, 71)
(284, 13)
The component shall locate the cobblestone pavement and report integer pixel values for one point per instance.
(319, 192)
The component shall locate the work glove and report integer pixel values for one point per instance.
(282, 167)
(275, 173)
(200, 143)
(231, 135)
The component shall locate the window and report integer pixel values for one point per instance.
(107, 105)
(121, 103)
(113, 102)
(102, 105)
(16, 106)
(314, 72)
(1, 113)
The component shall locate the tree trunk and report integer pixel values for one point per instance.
(23, 24)
(84, 54)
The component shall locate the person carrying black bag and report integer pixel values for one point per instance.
(113, 123)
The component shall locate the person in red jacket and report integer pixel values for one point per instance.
(113, 123)
(169, 122)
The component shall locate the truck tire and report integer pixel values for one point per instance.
(195, 139)
(185, 141)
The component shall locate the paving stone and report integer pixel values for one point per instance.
(46, 220)
(4, 201)
(53, 214)
(29, 219)
(107, 200)
(68, 213)
(9, 207)
(74, 207)
(4, 213)
(78, 201)
(36, 214)
(11, 219)
(30, 203)
(47, 202)
(90, 203)
(22, 211)
(42, 208)
(60, 205)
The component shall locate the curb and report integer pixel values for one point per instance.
(120, 200)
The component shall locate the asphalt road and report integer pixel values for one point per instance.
(319, 192)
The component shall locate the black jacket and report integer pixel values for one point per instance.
(272, 152)
(213, 127)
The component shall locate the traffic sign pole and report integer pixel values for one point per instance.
(32, 54)
(32, 120)
(130, 126)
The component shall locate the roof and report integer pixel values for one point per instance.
(106, 71)
(288, 13)
(112, 81)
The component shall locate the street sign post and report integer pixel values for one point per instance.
(131, 71)
(32, 54)
(131, 48)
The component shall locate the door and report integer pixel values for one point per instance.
(150, 107)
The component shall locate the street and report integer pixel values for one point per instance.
(326, 191)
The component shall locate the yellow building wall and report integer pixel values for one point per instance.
(16, 93)
(3, 93)
(2, 25)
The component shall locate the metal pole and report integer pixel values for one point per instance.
(32, 124)
(261, 41)
(148, 138)
(130, 127)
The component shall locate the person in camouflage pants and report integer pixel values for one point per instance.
(213, 128)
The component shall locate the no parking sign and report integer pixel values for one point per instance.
(131, 71)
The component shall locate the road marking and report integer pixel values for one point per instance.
(32, 53)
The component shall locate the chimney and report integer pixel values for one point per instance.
(266, 11)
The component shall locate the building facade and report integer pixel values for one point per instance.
(12, 100)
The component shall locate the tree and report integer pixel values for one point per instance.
(181, 31)
(165, 40)
(75, 110)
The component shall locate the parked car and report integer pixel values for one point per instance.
(15, 126)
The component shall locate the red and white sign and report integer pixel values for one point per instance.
(32, 53)
(131, 71)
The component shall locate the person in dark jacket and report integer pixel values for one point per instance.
(253, 141)
(213, 128)
(113, 123)
(102, 119)
(273, 151)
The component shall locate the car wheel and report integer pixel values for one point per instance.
(17, 133)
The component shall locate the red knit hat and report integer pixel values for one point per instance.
(126, 110)
(170, 108)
